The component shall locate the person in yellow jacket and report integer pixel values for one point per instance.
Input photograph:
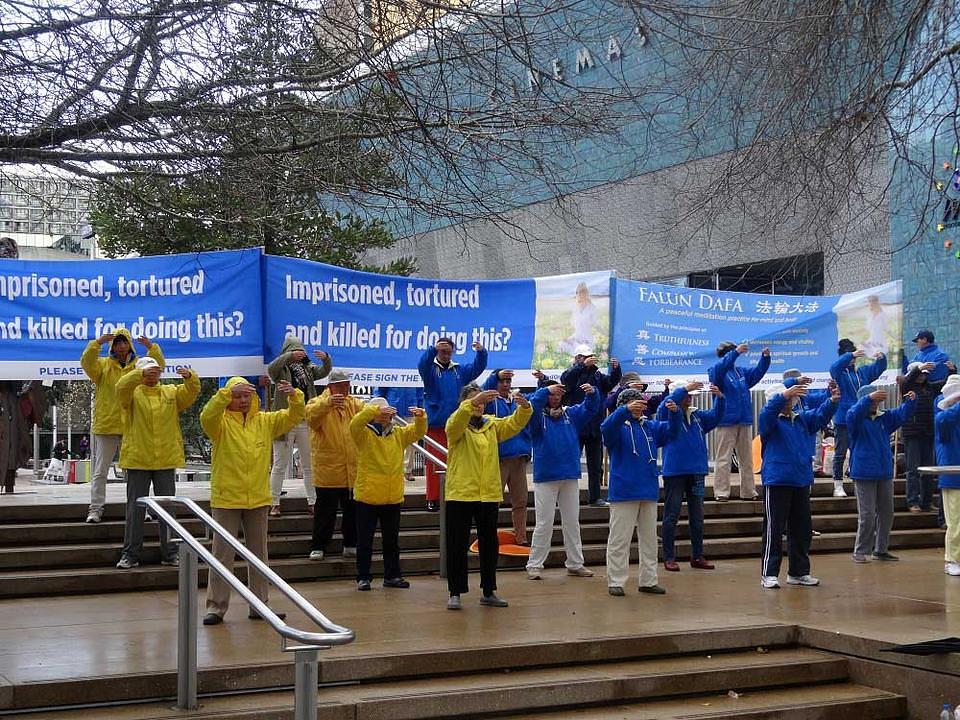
(473, 491)
(240, 478)
(152, 447)
(107, 428)
(378, 489)
(334, 458)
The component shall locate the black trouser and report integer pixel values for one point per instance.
(840, 447)
(389, 518)
(138, 485)
(918, 451)
(594, 447)
(460, 516)
(786, 508)
(325, 517)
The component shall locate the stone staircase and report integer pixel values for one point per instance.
(49, 550)
(754, 672)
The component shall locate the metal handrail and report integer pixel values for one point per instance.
(397, 420)
(309, 642)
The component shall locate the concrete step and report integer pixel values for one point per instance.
(531, 690)
(392, 666)
(26, 582)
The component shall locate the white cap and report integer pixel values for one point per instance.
(775, 390)
(146, 362)
(378, 401)
(583, 349)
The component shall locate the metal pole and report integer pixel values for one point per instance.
(305, 685)
(187, 629)
(443, 525)
(69, 434)
(36, 452)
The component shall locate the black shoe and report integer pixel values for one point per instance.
(433, 506)
(254, 615)
(653, 590)
(363, 585)
(885, 556)
(212, 619)
(600, 503)
(397, 582)
(616, 591)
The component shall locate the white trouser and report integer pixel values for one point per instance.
(546, 497)
(624, 517)
(730, 438)
(298, 437)
(103, 450)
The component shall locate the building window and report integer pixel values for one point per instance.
(795, 275)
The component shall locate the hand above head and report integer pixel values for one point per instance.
(106, 338)
(151, 373)
(588, 389)
(145, 341)
(835, 393)
(765, 352)
(878, 395)
(477, 347)
(505, 374)
(320, 355)
(910, 396)
(950, 366)
(521, 400)
(671, 406)
(878, 356)
(743, 349)
(539, 375)
(859, 353)
(614, 363)
(482, 398)
(417, 412)
(714, 390)
(832, 385)
(184, 373)
(637, 406)
(927, 367)
(244, 389)
(693, 386)
(666, 383)
(795, 391)
(804, 380)
(297, 356)
(283, 387)
(558, 390)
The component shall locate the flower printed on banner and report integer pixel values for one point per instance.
(642, 349)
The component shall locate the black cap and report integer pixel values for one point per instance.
(925, 334)
(846, 346)
(725, 347)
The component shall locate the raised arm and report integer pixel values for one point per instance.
(126, 386)
(425, 368)
(358, 424)
(458, 421)
(211, 416)
(283, 421)
(509, 426)
(756, 373)
(471, 371)
(580, 415)
(90, 360)
(610, 427)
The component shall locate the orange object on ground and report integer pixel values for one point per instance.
(508, 545)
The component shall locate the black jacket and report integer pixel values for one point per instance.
(921, 423)
(578, 374)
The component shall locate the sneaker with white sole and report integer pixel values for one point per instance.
(95, 515)
(770, 582)
(453, 603)
(860, 559)
(807, 580)
(951, 568)
(171, 562)
(838, 490)
(534, 574)
(316, 554)
(580, 572)
(126, 563)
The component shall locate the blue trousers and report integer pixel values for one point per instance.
(676, 487)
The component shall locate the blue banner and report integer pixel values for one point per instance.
(377, 326)
(662, 331)
(203, 309)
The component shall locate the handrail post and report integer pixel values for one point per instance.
(443, 525)
(305, 684)
(187, 629)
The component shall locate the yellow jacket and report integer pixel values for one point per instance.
(240, 473)
(151, 421)
(473, 460)
(380, 467)
(333, 456)
(104, 373)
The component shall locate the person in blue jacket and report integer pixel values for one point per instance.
(946, 424)
(849, 379)
(871, 466)
(684, 468)
(813, 399)
(514, 453)
(787, 476)
(928, 352)
(632, 442)
(403, 397)
(443, 379)
(735, 431)
(555, 431)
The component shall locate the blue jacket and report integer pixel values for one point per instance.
(520, 444)
(946, 428)
(812, 400)
(578, 374)
(556, 441)
(735, 383)
(442, 385)
(687, 454)
(401, 398)
(632, 445)
(849, 380)
(870, 455)
(933, 354)
(785, 442)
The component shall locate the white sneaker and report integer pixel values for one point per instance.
(126, 564)
(580, 572)
(951, 568)
(349, 552)
(770, 582)
(316, 554)
(534, 574)
(808, 580)
(95, 515)
(838, 490)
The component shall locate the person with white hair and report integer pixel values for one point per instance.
(947, 427)
(917, 432)
(871, 466)
(378, 488)
(787, 475)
